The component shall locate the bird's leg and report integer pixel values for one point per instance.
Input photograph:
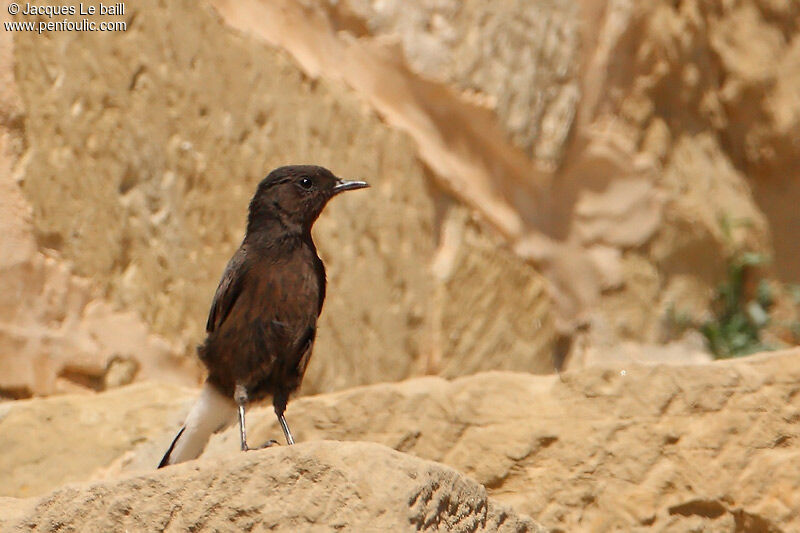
(242, 431)
(240, 394)
(285, 426)
(279, 402)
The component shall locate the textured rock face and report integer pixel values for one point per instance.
(590, 135)
(709, 447)
(681, 100)
(616, 211)
(488, 52)
(170, 202)
(699, 88)
(91, 430)
(138, 165)
(321, 486)
(57, 333)
(705, 447)
(624, 148)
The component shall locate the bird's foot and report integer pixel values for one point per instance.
(270, 443)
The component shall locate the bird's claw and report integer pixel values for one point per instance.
(268, 444)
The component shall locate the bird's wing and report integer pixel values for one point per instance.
(230, 286)
(306, 346)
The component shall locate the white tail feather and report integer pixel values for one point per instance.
(211, 413)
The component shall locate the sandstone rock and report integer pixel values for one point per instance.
(519, 58)
(621, 447)
(622, 147)
(13, 509)
(462, 143)
(704, 88)
(320, 486)
(471, 336)
(84, 433)
(625, 447)
(138, 181)
(689, 350)
(658, 115)
(593, 128)
(57, 334)
(692, 105)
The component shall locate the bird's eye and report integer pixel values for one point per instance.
(306, 183)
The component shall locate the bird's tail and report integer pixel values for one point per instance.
(212, 413)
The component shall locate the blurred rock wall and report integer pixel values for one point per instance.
(539, 170)
(141, 151)
(693, 98)
(592, 136)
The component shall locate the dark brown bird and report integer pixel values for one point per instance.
(263, 319)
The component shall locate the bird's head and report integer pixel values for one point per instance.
(295, 196)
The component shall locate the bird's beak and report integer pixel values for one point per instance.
(343, 185)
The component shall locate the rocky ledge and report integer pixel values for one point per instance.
(319, 486)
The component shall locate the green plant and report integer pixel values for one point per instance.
(735, 330)
(742, 307)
